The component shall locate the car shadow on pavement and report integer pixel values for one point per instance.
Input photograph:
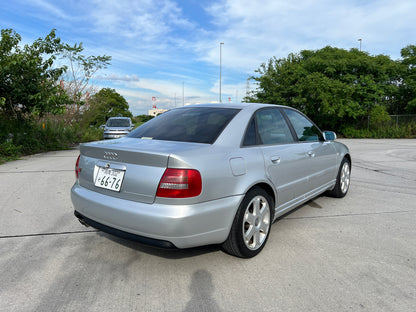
(188, 252)
(310, 203)
(162, 252)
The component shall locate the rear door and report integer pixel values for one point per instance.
(283, 157)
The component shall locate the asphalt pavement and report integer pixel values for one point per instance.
(352, 254)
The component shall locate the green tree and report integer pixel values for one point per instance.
(81, 69)
(143, 118)
(28, 79)
(103, 105)
(333, 86)
(408, 85)
(378, 117)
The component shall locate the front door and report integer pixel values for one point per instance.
(320, 154)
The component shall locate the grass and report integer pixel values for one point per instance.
(26, 137)
(393, 132)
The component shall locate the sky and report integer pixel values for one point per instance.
(171, 50)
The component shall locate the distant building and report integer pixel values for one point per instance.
(156, 111)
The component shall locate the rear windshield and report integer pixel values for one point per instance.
(119, 122)
(192, 124)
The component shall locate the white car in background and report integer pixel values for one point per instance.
(117, 127)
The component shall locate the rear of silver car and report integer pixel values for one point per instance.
(117, 186)
(197, 176)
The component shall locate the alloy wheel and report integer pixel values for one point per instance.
(256, 223)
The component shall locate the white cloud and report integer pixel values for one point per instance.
(116, 77)
(145, 20)
(168, 94)
(50, 8)
(255, 31)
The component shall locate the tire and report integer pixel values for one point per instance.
(343, 180)
(251, 226)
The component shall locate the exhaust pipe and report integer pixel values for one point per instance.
(81, 219)
(83, 222)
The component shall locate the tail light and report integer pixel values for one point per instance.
(77, 168)
(180, 183)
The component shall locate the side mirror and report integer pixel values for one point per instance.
(102, 126)
(330, 136)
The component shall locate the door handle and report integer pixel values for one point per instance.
(275, 159)
(311, 154)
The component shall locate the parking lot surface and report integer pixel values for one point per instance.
(352, 254)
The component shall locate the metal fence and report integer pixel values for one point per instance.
(395, 121)
(399, 120)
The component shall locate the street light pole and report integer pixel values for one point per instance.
(360, 40)
(221, 43)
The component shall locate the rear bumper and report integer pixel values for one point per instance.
(109, 136)
(141, 239)
(167, 226)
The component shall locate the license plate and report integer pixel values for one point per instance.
(110, 179)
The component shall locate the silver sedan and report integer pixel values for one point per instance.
(208, 174)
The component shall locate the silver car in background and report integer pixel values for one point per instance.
(117, 127)
(208, 174)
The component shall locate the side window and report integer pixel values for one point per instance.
(272, 127)
(305, 130)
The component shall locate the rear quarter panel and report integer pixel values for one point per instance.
(219, 180)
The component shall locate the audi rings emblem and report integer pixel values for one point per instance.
(111, 155)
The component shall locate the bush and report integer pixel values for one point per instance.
(24, 137)
(351, 132)
(378, 117)
(20, 137)
(92, 134)
(9, 150)
(392, 132)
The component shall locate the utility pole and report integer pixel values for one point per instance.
(360, 40)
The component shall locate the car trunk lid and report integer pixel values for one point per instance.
(138, 163)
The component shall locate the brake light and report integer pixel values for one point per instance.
(77, 168)
(180, 183)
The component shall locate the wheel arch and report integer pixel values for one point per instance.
(236, 244)
(267, 188)
(348, 156)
